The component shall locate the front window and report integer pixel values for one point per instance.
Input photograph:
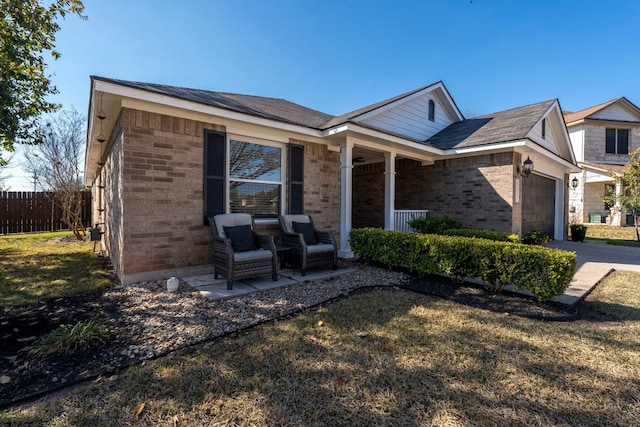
(255, 178)
(617, 141)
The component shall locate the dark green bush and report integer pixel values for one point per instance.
(496, 236)
(535, 238)
(430, 225)
(542, 271)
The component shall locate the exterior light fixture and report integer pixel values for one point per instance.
(526, 168)
(573, 183)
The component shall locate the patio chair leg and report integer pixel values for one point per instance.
(335, 267)
(229, 285)
(303, 271)
(274, 276)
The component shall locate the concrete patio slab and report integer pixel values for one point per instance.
(264, 283)
(215, 289)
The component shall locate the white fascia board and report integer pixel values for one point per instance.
(170, 101)
(573, 168)
(416, 146)
(481, 148)
(452, 104)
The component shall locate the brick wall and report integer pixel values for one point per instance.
(477, 191)
(322, 186)
(162, 197)
(368, 196)
(153, 200)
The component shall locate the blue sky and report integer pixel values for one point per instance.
(336, 56)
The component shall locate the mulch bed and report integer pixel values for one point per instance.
(32, 375)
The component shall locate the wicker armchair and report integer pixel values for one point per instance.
(232, 264)
(303, 254)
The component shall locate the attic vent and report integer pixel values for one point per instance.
(432, 110)
(544, 128)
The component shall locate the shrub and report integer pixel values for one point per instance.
(84, 335)
(542, 271)
(496, 236)
(535, 238)
(578, 227)
(430, 225)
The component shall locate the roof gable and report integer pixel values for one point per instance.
(619, 109)
(407, 115)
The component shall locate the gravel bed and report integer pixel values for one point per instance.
(146, 321)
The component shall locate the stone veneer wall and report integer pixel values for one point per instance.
(595, 141)
(477, 191)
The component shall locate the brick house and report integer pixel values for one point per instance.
(160, 159)
(602, 137)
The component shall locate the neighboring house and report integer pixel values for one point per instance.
(602, 138)
(173, 156)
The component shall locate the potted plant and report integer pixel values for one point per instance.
(578, 232)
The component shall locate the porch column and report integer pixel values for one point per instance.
(389, 190)
(616, 218)
(346, 186)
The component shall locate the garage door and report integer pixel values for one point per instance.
(538, 204)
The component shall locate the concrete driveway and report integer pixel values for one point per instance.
(595, 260)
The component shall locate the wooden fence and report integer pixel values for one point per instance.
(27, 212)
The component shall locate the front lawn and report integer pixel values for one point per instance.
(47, 265)
(386, 358)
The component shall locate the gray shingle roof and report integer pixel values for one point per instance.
(270, 108)
(503, 126)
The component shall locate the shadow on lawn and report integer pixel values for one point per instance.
(376, 358)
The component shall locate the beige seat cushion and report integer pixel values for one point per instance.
(314, 249)
(252, 255)
(231, 220)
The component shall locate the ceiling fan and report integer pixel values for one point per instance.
(358, 159)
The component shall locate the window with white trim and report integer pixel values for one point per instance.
(617, 141)
(255, 178)
(246, 176)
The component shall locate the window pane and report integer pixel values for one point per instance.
(611, 141)
(623, 141)
(254, 198)
(254, 161)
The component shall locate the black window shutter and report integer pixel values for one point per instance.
(214, 173)
(623, 141)
(611, 141)
(296, 179)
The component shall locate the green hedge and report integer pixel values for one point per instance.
(496, 236)
(431, 225)
(544, 272)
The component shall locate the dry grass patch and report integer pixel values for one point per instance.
(47, 265)
(377, 358)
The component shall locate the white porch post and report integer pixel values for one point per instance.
(346, 187)
(389, 190)
(616, 218)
